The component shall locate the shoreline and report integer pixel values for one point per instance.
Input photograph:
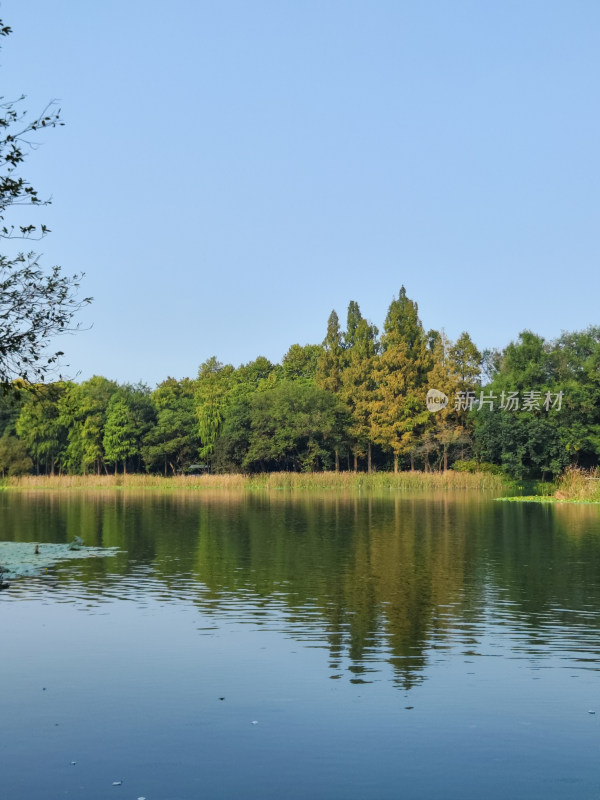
(549, 499)
(295, 481)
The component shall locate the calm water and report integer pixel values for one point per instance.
(257, 646)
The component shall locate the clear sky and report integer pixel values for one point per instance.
(231, 171)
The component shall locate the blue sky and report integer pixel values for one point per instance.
(230, 171)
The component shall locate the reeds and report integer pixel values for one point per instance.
(296, 481)
(579, 484)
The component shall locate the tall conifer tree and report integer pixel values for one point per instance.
(358, 383)
(400, 375)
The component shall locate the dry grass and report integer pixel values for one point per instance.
(579, 484)
(275, 480)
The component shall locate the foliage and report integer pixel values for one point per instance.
(14, 460)
(399, 410)
(34, 305)
(330, 361)
(130, 416)
(171, 444)
(293, 426)
(543, 441)
(39, 425)
(83, 410)
(212, 388)
(334, 405)
(300, 362)
(471, 465)
(358, 382)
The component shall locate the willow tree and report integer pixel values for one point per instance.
(83, 411)
(39, 425)
(213, 387)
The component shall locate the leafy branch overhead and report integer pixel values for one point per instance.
(35, 305)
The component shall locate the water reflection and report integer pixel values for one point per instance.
(379, 581)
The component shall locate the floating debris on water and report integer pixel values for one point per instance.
(117, 783)
(20, 559)
(76, 544)
(254, 722)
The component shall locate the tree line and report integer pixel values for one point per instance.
(355, 402)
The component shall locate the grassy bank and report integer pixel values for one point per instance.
(579, 485)
(274, 480)
(573, 486)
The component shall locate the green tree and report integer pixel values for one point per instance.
(83, 411)
(13, 456)
(330, 364)
(466, 362)
(213, 386)
(358, 384)
(294, 425)
(130, 416)
(233, 440)
(445, 429)
(172, 444)
(330, 361)
(399, 410)
(353, 318)
(39, 425)
(10, 406)
(300, 362)
(231, 447)
(544, 438)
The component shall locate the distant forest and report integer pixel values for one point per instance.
(357, 401)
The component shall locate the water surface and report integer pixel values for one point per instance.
(264, 645)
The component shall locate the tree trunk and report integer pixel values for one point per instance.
(337, 460)
(445, 460)
(412, 462)
(396, 463)
(355, 463)
(369, 457)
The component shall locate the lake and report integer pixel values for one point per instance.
(270, 645)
